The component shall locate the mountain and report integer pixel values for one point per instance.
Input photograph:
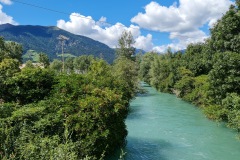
(45, 39)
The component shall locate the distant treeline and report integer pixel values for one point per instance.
(207, 74)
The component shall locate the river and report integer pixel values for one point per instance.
(164, 127)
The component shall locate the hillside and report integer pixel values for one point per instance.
(44, 39)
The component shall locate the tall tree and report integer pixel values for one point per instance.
(125, 67)
(125, 45)
(225, 35)
(145, 66)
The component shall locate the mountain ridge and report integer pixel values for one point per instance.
(44, 39)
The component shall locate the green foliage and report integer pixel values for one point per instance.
(232, 106)
(44, 60)
(8, 67)
(66, 55)
(225, 76)
(225, 34)
(214, 112)
(82, 63)
(63, 116)
(56, 65)
(163, 72)
(44, 39)
(125, 70)
(125, 45)
(185, 84)
(125, 67)
(198, 59)
(51, 115)
(69, 64)
(10, 50)
(155, 72)
(29, 64)
(207, 74)
(31, 55)
(145, 66)
(29, 85)
(36, 57)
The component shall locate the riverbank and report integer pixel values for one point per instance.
(162, 126)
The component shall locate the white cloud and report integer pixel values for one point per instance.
(4, 18)
(181, 40)
(100, 30)
(183, 21)
(144, 43)
(188, 16)
(8, 2)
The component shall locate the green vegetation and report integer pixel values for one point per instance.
(80, 113)
(44, 39)
(207, 74)
(31, 55)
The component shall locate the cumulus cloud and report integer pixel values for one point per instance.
(101, 31)
(4, 18)
(183, 21)
(8, 2)
(181, 40)
(188, 16)
(144, 43)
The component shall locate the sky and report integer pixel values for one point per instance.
(155, 25)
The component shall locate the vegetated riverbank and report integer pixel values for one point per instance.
(52, 113)
(162, 126)
(207, 74)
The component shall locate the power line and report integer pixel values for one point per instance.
(48, 9)
(99, 21)
(65, 13)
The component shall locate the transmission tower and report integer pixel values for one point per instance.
(62, 39)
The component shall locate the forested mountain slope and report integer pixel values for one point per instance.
(45, 39)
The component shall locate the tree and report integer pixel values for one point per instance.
(8, 67)
(125, 68)
(10, 50)
(225, 76)
(185, 83)
(231, 106)
(195, 59)
(44, 60)
(125, 45)
(56, 65)
(29, 64)
(145, 66)
(82, 63)
(225, 35)
(29, 85)
(69, 64)
(155, 72)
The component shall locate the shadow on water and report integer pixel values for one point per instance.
(142, 149)
(134, 113)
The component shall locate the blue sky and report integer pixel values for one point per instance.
(155, 25)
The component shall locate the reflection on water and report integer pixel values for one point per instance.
(163, 127)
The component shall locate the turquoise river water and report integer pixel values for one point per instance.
(163, 127)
